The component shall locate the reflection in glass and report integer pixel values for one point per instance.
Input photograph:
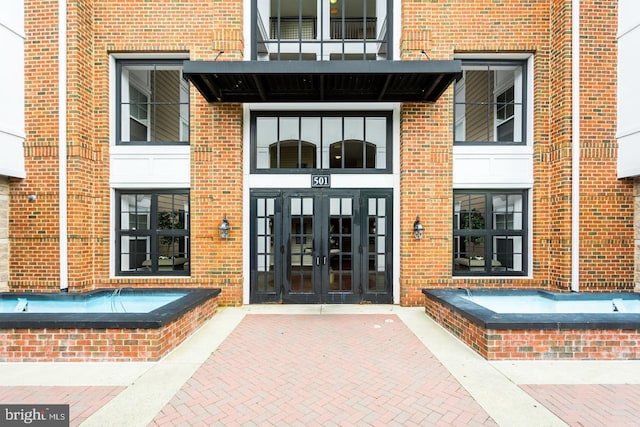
(154, 104)
(265, 246)
(340, 142)
(489, 103)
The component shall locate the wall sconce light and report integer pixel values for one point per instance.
(418, 229)
(224, 227)
(32, 197)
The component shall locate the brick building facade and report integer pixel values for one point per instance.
(12, 134)
(178, 114)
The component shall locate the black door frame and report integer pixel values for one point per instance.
(371, 281)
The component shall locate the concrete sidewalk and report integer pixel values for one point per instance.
(364, 365)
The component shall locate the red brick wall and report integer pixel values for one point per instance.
(493, 344)
(81, 153)
(636, 198)
(97, 345)
(606, 213)
(609, 344)
(553, 172)
(33, 227)
(446, 27)
(96, 29)
(203, 28)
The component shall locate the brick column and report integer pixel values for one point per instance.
(636, 227)
(4, 233)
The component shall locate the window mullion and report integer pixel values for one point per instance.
(154, 232)
(278, 133)
(299, 142)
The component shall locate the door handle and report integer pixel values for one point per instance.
(317, 260)
(324, 260)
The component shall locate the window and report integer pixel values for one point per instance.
(289, 142)
(490, 103)
(152, 232)
(321, 29)
(153, 101)
(489, 232)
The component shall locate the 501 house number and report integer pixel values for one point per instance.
(320, 181)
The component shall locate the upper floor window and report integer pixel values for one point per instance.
(490, 232)
(490, 102)
(153, 103)
(152, 232)
(321, 29)
(285, 142)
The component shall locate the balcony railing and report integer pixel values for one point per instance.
(307, 28)
(354, 28)
(294, 28)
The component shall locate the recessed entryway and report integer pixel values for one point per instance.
(321, 246)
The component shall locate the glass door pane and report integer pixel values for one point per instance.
(301, 241)
(377, 238)
(264, 247)
(340, 244)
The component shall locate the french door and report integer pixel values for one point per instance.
(321, 246)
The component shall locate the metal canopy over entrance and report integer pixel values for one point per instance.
(322, 81)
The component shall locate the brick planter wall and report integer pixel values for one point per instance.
(94, 345)
(536, 344)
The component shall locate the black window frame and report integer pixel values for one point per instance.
(385, 44)
(522, 63)
(118, 95)
(489, 232)
(388, 115)
(153, 233)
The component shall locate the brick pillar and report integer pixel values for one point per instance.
(4, 234)
(81, 154)
(636, 227)
(426, 162)
(34, 234)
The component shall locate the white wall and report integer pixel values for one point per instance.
(628, 133)
(12, 133)
(140, 166)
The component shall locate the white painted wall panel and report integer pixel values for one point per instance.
(492, 171)
(629, 156)
(150, 167)
(628, 15)
(12, 131)
(488, 166)
(628, 132)
(628, 83)
(12, 156)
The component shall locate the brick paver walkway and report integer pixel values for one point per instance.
(322, 370)
(334, 369)
(590, 404)
(83, 401)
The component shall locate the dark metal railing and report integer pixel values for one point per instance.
(354, 28)
(295, 28)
